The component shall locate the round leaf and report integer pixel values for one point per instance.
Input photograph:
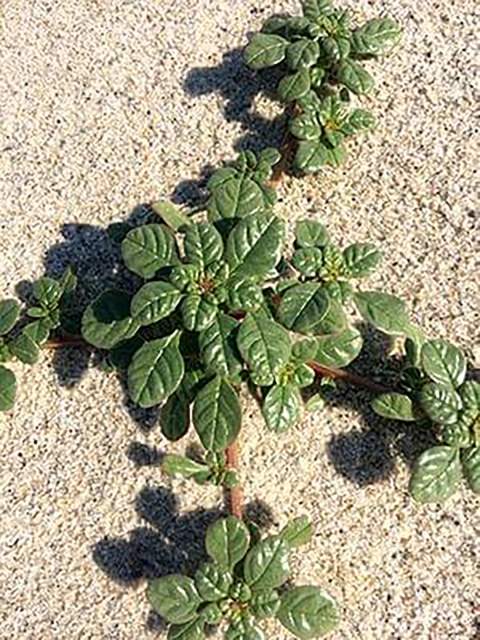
(212, 582)
(203, 244)
(294, 86)
(386, 312)
(227, 541)
(305, 127)
(361, 260)
(311, 156)
(303, 307)
(156, 371)
(443, 362)
(174, 597)
(218, 347)
(149, 248)
(9, 312)
(376, 37)
(395, 406)
(237, 197)
(302, 53)
(107, 321)
(217, 415)
(440, 402)
(266, 565)
(308, 612)
(436, 475)
(192, 630)
(339, 350)
(281, 408)
(154, 301)
(298, 532)
(8, 389)
(265, 50)
(25, 349)
(309, 233)
(354, 77)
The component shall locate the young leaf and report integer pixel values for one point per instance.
(149, 248)
(203, 244)
(237, 197)
(47, 291)
(471, 468)
(227, 541)
(436, 475)
(243, 629)
(376, 37)
(359, 120)
(9, 312)
(354, 77)
(198, 313)
(361, 260)
(265, 50)
(303, 307)
(156, 371)
(171, 215)
(309, 233)
(302, 53)
(255, 245)
(38, 331)
(212, 582)
(281, 408)
(218, 347)
(470, 395)
(440, 402)
(265, 346)
(339, 350)
(443, 362)
(217, 415)
(297, 532)
(266, 565)
(294, 86)
(180, 465)
(25, 349)
(386, 312)
(305, 127)
(264, 604)
(308, 612)
(174, 597)
(107, 320)
(8, 389)
(308, 261)
(154, 301)
(395, 406)
(314, 9)
(191, 630)
(311, 156)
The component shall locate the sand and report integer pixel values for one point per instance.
(109, 105)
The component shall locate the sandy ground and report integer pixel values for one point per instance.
(108, 105)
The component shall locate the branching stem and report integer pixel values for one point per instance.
(347, 376)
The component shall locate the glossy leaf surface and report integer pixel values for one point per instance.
(395, 406)
(149, 248)
(9, 312)
(107, 321)
(174, 597)
(8, 388)
(443, 362)
(266, 565)
(308, 612)
(154, 301)
(217, 414)
(386, 312)
(227, 541)
(281, 407)
(436, 475)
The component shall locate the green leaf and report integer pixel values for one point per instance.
(149, 248)
(243, 629)
(156, 371)
(337, 155)
(281, 408)
(458, 434)
(255, 245)
(197, 312)
(294, 86)
(170, 214)
(303, 307)
(376, 37)
(395, 406)
(219, 348)
(361, 260)
(336, 49)
(266, 565)
(122, 353)
(265, 50)
(339, 350)
(354, 77)
(436, 475)
(244, 294)
(308, 612)
(311, 156)
(470, 395)
(237, 197)
(175, 417)
(8, 389)
(191, 630)
(47, 291)
(359, 120)
(384, 311)
(217, 415)
(203, 244)
(471, 468)
(264, 604)
(309, 233)
(227, 541)
(174, 597)
(180, 465)
(25, 349)
(265, 346)
(308, 261)
(305, 127)
(298, 532)
(302, 53)
(440, 402)
(212, 582)
(107, 320)
(9, 312)
(314, 9)
(443, 362)
(38, 331)
(334, 321)
(154, 301)
(68, 281)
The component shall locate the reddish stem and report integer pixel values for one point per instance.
(287, 147)
(64, 341)
(235, 494)
(347, 376)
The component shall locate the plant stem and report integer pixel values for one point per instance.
(235, 494)
(64, 341)
(347, 376)
(287, 147)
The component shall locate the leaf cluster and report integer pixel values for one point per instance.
(244, 582)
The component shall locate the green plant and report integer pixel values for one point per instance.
(320, 55)
(221, 301)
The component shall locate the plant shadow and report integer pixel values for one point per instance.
(167, 541)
